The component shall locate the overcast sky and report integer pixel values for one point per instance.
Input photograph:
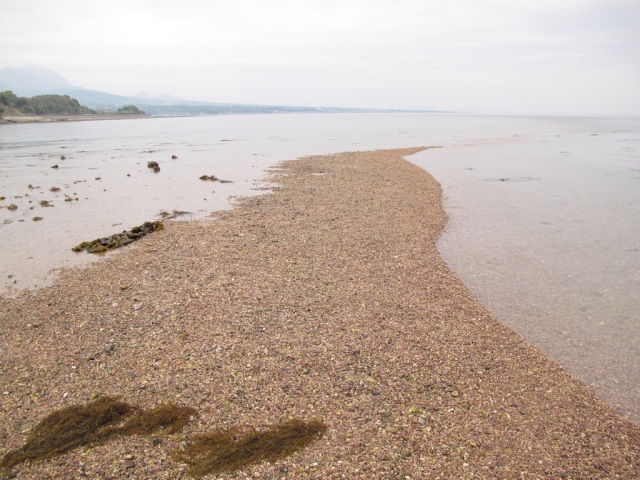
(578, 57)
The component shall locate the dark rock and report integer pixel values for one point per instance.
(155, 166)
(211, 178)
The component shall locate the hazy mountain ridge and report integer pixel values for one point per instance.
(33, 80)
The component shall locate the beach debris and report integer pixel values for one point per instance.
(12, 207)
(45, 203)
(62, 157)
(155, 166)
(2, 197)
(174, 157)
(92, 424)
(36, 219)
(174, 214)
(228, 450)
(117, 240)
(54, 189)
(213, 178)
(55, 166)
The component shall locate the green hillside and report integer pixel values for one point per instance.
(11, 104)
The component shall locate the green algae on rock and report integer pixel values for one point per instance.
(100, 245)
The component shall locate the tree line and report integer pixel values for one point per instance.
(42, 105)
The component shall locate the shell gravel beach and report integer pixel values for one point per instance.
(325, 299)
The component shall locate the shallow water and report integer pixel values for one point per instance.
(544, 212)
(545, 230)
(105, 173)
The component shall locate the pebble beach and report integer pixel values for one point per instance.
(324, 299)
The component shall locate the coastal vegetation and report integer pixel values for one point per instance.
(12, 107)
(129, 110)
(11, 104)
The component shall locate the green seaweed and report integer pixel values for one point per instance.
(227, 450)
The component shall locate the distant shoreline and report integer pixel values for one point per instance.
(13, 119)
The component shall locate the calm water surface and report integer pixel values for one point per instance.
(544, 212)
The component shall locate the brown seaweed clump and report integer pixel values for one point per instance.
(227, 450)
(164, 419)
(100, 245)
(69, 428)
(93, 424)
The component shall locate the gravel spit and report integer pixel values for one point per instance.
(326, 299)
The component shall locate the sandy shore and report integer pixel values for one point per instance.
(328, 300)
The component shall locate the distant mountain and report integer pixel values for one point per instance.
(32, 80)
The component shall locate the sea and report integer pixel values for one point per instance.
(544, 212)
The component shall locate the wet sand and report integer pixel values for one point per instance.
(326, 299)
